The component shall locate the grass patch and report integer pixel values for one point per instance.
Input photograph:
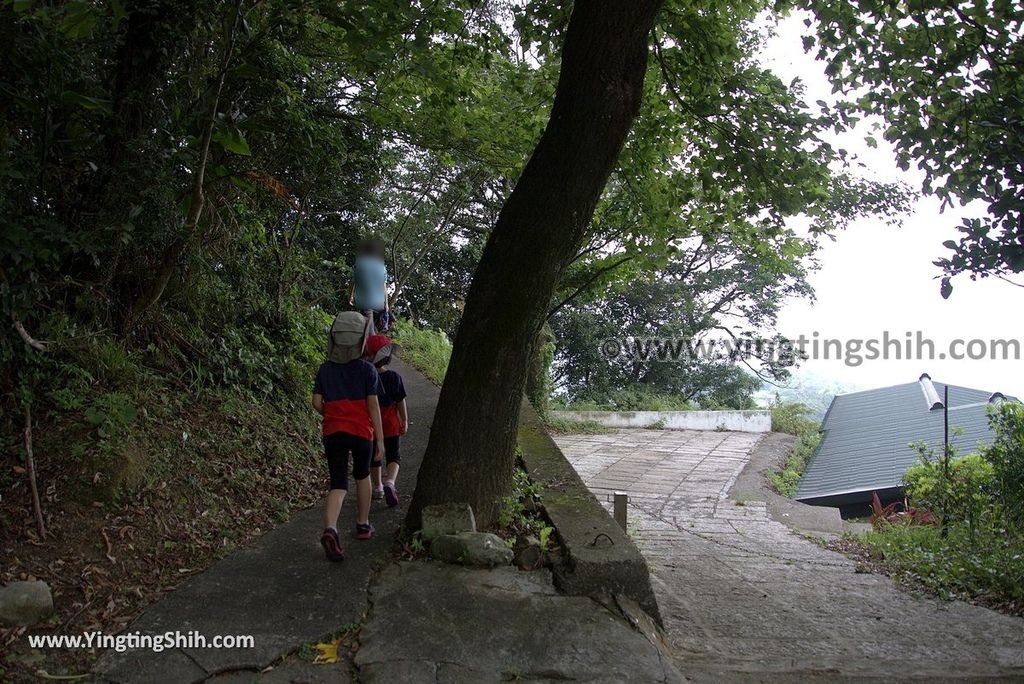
(567, 426)
(791, 418)
(426, 350)
(986, 568)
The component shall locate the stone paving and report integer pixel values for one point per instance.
(745, 599)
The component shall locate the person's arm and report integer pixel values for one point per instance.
(373, 406)
(403, 416)
(318, 403)
(387, 299)
(352, 295)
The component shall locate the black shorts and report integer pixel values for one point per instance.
(391, 451)
(337, 447)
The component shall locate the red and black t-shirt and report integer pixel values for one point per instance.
(393, 393)
(344, 388)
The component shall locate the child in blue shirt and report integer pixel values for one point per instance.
(345, 393)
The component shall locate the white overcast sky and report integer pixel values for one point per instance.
(876, 277)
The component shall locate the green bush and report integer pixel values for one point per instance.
(792, 418)
(979, 550)
(964, 495)
(578, 427)
(1006, 454)
(787, 480)
(424, 349)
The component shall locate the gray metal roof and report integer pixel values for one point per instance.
(865, 436)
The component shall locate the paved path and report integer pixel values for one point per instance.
(422, 622)
(279, 590)
(745, 599)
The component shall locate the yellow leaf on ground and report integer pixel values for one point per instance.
(327, 653)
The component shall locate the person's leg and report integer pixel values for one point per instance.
(335, 498)
(394, 458)
(375, 478)
(362, 453)
(373, 327)
(337, 464)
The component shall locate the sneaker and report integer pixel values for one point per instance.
(377, 494)
(364, 531)
(391, 494)
(332, 547)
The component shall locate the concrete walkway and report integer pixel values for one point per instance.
(440, 624)
(280, 590)
(745, 599)
(417, 622)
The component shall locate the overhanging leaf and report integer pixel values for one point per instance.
(232, 140)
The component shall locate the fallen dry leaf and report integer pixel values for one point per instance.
(327, 653)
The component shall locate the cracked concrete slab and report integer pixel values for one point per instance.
(432, 623)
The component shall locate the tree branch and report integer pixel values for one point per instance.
(590, 281)
(38, 345)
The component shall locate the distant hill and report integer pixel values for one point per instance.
(806, 387)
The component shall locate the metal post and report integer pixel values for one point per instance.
(945, 460)
(619, 508)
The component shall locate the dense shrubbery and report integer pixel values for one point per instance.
(425, 349)
(792, 418)
(963, 493)
(979, 550)
(92, 393)
(1006, 454)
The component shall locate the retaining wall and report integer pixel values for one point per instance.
(736, 421)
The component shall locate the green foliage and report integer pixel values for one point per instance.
(425, 349)
(545, 537)
(668, 323)
(792, 419)
(538, 380)
(1006, 454)
(979, 550)
(987, 565)
(579, 427)
(111, 414)
(963, 494)
(513, 507)
(927, 69)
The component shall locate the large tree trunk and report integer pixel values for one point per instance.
(472, 442)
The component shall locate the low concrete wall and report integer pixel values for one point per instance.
(736, 421)
(598, 557)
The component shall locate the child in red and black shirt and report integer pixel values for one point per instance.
(394, 417)
(346, 395)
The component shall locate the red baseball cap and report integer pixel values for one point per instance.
(379, 347)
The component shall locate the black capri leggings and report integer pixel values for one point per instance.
(391, 452)
(338, 446)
